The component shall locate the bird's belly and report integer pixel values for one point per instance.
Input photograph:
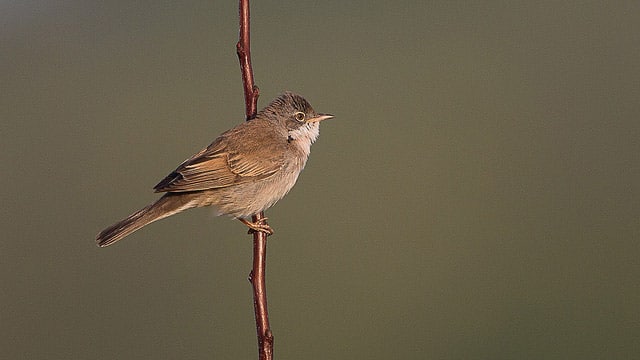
(247, 199)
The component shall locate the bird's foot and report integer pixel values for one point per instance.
(260, 225)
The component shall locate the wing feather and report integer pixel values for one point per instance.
(229, 160)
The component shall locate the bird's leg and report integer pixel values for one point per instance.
(258, 226)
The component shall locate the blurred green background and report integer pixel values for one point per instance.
(476, 196)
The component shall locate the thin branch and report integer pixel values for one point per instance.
(257, 279)
(257, 275)
(243, 48)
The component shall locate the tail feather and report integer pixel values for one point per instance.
(167, 205)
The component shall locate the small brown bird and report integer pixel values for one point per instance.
(244, 171)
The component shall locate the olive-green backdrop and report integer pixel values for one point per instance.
(476, 196)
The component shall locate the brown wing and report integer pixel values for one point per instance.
(245, 153)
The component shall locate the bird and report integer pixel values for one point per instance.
(244, 171)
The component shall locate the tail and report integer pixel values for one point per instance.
(167, 205)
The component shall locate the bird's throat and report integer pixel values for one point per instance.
(304, 136)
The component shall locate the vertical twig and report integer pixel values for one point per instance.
(257, 275)
(243, 48)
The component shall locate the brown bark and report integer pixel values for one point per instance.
(257, 275)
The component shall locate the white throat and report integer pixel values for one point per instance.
(305, 135)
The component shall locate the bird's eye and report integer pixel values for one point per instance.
(299, 116)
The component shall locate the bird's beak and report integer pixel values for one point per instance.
(320, 117)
